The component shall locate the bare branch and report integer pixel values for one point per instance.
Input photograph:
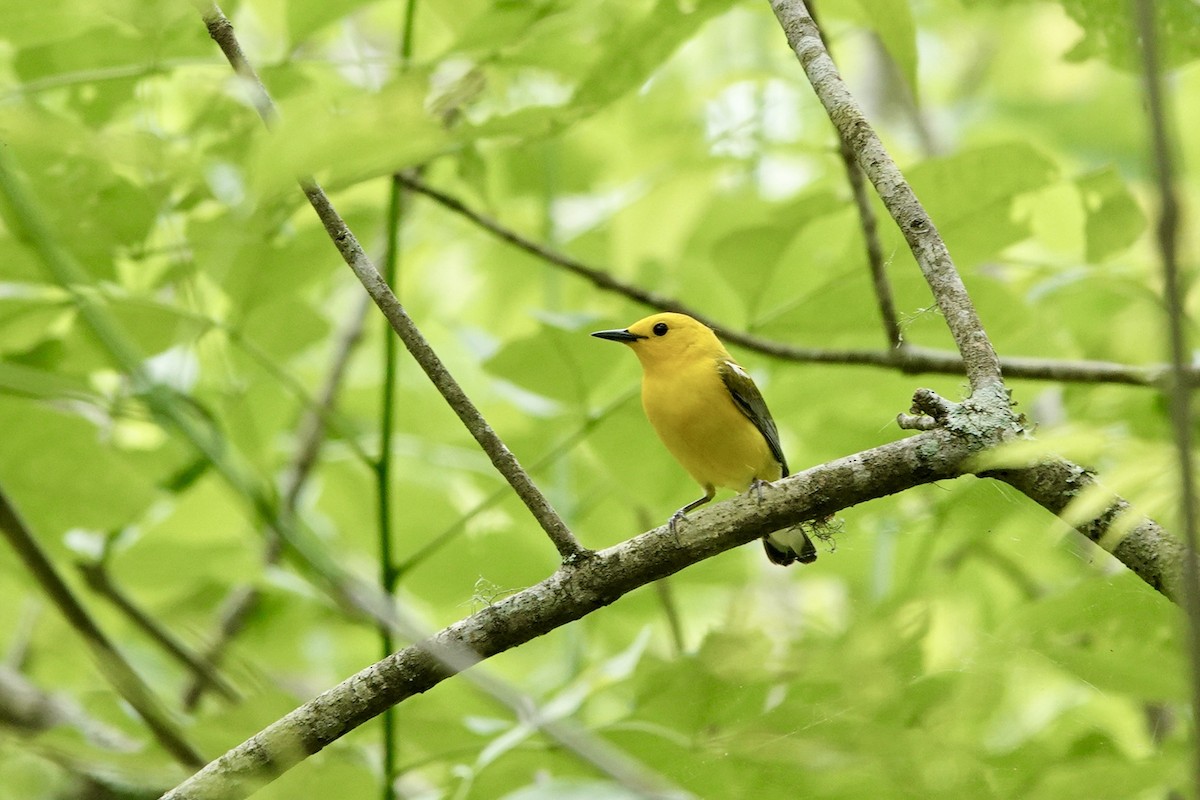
(870, 232)
(128, 684)
(360, 263)
(982, 363)
(203, 671)
(908, 359)
(598, 277)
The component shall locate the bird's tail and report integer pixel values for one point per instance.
(788, 546)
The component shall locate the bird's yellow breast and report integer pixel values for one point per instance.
(691, 409)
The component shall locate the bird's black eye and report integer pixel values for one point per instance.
(660, 329)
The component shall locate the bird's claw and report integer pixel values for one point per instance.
(757, 485)
(673, 523)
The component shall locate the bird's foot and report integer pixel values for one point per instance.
(757, 485)
(673, 523)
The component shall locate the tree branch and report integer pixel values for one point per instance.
(982, 363)
(128, 684)
(569, 548)
(963, 431)
(908, 359)
(203, 671)
(571, 593)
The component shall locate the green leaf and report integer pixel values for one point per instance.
(1114, 219)
(1107, 25)
(27, 381)
(892, 21)
(42, 446)
(635, 45)
(304, 18)
(970, 196)
(560, 361)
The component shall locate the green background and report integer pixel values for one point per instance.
(955, 641)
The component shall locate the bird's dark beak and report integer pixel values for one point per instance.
(620, 335)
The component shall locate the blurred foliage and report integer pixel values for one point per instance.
(950, 642)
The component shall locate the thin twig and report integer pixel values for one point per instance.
(569, 548)
(909, 359)
(982, 363)
(128, 684)
(389, 575)
(870, 231)
(599, 278)
(203, 671)
(1179, 395)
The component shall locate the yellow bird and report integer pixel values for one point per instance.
(710, 415)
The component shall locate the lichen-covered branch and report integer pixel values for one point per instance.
(571, 593)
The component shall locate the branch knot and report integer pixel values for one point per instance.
(929, 411)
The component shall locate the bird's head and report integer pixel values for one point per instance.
(667, 338)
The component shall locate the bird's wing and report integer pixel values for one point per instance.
(749, 401)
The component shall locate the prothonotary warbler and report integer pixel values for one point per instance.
(710, 415)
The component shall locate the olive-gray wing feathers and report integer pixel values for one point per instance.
(749, 400)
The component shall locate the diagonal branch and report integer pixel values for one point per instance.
(982, 363)
(571, 593)
(128, 684)
(203, 671)
(870, 231)
(592, 583)
(908, 359)
(569, 548)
